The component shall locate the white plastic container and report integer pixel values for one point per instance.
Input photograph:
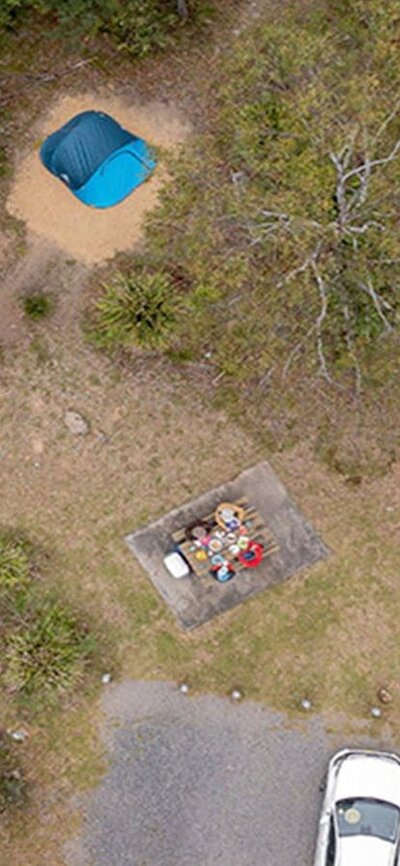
(176, 565)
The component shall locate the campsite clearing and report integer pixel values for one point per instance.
(160, 431)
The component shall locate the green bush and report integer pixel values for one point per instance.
(9, 9)
(136, 26)
(136, 307)
(43, 647)
(49, 652)
(38, 305)
(140, 28)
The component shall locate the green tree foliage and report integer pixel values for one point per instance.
(285, 216)
(137, 26)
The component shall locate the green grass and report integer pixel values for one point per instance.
(14, 567)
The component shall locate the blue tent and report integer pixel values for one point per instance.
(97, 159)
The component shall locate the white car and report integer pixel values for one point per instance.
(360, 819)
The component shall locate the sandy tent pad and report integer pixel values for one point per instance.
(50, 210)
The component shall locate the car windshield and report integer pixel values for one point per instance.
(368, 818)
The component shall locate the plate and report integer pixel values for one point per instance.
(199, 531)
(252, 556)
(243, 542)
(215, 545)
(227, 514)
(217, 559)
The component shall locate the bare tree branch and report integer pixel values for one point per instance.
(351, 222)
(303, 267)
(387, 121)
(296, 351)
(377, 302)
(320, 320)
(316, 327)
(374, 162)
(360, 230)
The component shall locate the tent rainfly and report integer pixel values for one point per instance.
(98, 160)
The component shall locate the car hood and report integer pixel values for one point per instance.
(371, 776)
(364, 851)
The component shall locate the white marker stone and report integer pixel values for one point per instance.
(19, 736)
(236, 695)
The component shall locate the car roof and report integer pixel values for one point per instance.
(364, 851)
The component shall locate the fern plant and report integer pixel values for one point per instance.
(136, 307)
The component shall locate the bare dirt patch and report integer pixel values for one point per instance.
(52, 212)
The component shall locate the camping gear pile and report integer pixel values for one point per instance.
(230, 539)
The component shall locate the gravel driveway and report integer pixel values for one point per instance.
(202, 782)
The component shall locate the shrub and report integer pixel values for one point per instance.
(48, 653)
(136, 26)
(135, 307)
(140, 28)
(9, 9)
(38, 305)
(43, 646)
